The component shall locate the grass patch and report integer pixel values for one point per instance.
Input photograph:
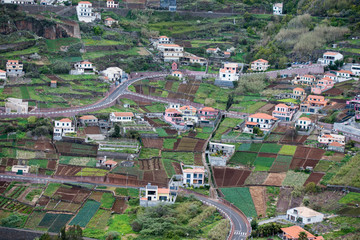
(35, 192)
(78, 161)
(185, 157)
(107, 200)
(92, 172)
(263, 163)
(97, 225)
(120, 223)
(127, 192)
(169, 143)
(322, 166)
(241, 198)
(350, 198)
(349, 174)
(243, 158)
(169, 169)
(287, 150)
(270, 148)
(38, 162)
(294, 179)
(147, 153)
(51, 189)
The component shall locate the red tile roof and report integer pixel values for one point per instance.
(299, 89)
(65, 120)
(87, 117)
(123, 114)
(331, 53)
(261, 60)
(294, 232)
(111, 162)
(2, 71)
(163, 191)
(305, 119)
(84, 2)
(335, 144)
(262, 116)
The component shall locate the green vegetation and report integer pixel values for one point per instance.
(348, 174)
(243, 158)
(169, 143)
(263, 163)
(147, 153)
(79, 161)
(323, 166)
(92, 172)
(97, 225)
(170, 171)
(287, 150)
(38, 162)
(127, 192)
(350, 198)
(241, 198)
(294, 179)
(35, 192)
(185, 157)
(270, 148)
(54, 45)
(107, 200)
(51, 189)
(85, 213)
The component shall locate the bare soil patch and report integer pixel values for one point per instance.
(275, 179)
(283, 200)
(314, 177)
(258, 196)
(119, 205)
(153, 142)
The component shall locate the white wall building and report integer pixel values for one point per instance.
(24, 2)
(303, 123)
(260, 65)
(330, 57)
(20, 169)
(171, 52)
(2, 74)
(84, 67)
(121, 116)
(112, 4)
(304, 215)
(330, 138)
(63, 127)
(14, 68)
(177, 74)
(278, 8)
(229, 72)
(85, 12)
(355, 69)
(194, 176)
(17, 105)
(113, 74)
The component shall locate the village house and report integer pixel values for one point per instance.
(16, 105)
(85, 12)
(260, 120)
(121, 116)
(114, 74)
(174, 105)
(293, 232)
(53, 83)
(171, 52)
(110, 21)
(207, 113)
(89, 120)
(326, 139)
(220, 153)
(112, 4)
(303, 123)
(336, 147)
(284, 112)
(62, 127)
(189, 115)
(229, 72)
(110, 163)
(355, 69)
(177, 74)
(304, 215)
(306, 79)
(174, 66)
(277, 8)
(193, 176)
(84, 67)
(173, 116)
(227, 54)
(192, 59)
(260, 65)
(2, 74)
(313, 104)
(212, 50)
(322, 85)
(164, 40)
(152, 195)
(21, 2)
(14, 68)
(343, 74)
(20, 169)
(331, 76)
(329, 58)
(354, 104)
(298, 94)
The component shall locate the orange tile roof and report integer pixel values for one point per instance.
(211, 49)
(251, 123)
(305, 119)
(171, 110)
(163, 191)
(123, 114)
(227, 52)
(110, 19)
(53, 81)
(344, 71)
(65, 120)
(86, 62)
(169, 45)
(299, 89)
(263, 116)
(308, 76)
(163, 37)
(294, 232)
(282, 105)
(2, 71)
(188, 108)
(13, 61)
(207, 109)
(327, 78)
(111, 162)
(177, 72)
(330, 74)
(261, 60)
(316, 97)
(331, 53)
(223, 70)
(87, 117)
(335, 144)
(194, 170)
(84, 2)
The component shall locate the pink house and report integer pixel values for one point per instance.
(173, 116)
(354, 104)
(174, 66)
(322, 85)
(284, 112)
(207, 113)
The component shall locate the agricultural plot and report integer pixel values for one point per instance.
(85, 213)
(96, 196)
(147, 153)
(275, 179)
(256, 178)
(54, 222)
(97, 225)
(51, 189)
(13, 206)
(119, 205)
(185, 157)
(287, 150)
(323, 166)
(351, 198)
(244, 158)
(314, 177)
(23, 154)
(62, 206)
(152, 142)
(92, 172)
(107, 200)
(42, 163)
(190, 144)
(294, 179)
(300, 139)
(3, 186)
(284, 199)
(125, 192)
(169, 168)
(158, 176)
(34, 219)
(78, 161)
(241, 198)
(169, 143)
(71, 194)
(281, 164)
(77, 149)
(258, 195)
(230, 177)
(130, 171)
(274, 138)
(270, 148)
(67, 170)
(15, 191)
(263, 163)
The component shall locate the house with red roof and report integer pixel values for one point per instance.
(298, 94)
(343, 75)
(2, 74)
(331, 76)
(306, 79)
(89, 120)
(284, 112)
(14, 68)
(330, 58)
(303, 123)
(313, 104)
(170, 52)
(322, 85)
(177, 74)
(85, 12)
(260, 65)
(293, 233)
(207, 113)
(121, 117)
(84, 67)
(193, 175)
(212, 50)
(62, 127)
(109, 21)
(261, 120)
(229, 72)
(335, 142)
(152, 195)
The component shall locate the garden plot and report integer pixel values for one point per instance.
(51, 165)
(169, 167)
(290, 140)
(185, 157)
(281, 164)
(158, 176)
(316, 153)
(3, 186)
(244, 158)
(294, 179)
(198, 159)
(13, 206)
(119, 205)
(134, 171)
(270, 148)
(85, 213)
(98, 224)
(230, 177)
(275, 179)
(187, 144)
(169, 143)
(323, 166)
(77, 149)
(284, 199)
(54, 222)
(153, 142)
(297, 163)
(326, 201)
(256, 178)
(78, 161)
(71, 194)
(287, 150)
(151, 164)
(274, 137)
(23, 154)
(147, 153)
(67, 170)
(314, 177)
(263, 163)
(258, 197)
(31, 194)
(62, 206)
(337, 157)
(34, 219)
(241, 198)
(96, 196)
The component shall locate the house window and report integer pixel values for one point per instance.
(188, 175)
(195, 175)
(200, 175)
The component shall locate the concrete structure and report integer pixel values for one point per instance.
(114, 74)
(112, 4)
(344, 74)
(85, 12)
(304, 215)
(21, 2)
(331, 76)
(330, 58)
(336, 147)
(303, 123)
(171, 52)
(16, 105)
(168, 4)
(2, 74)
(260, 65)
(109, 21)
(14, 68)
(313, 104)
(284, 112)
(355, 69)
(89, 120)
(229, 72)
(277, 8)
(354, 104)
(63, 127)
(121, 116)
(110, 163)
(293, 232)
(194, 176)
(260, 120)
(213, 50)
(177, 74)
(330, 138)
(153, 195)
(84, 67)
(220, 153)
(322, 85)
(20, 169)
(53, 84)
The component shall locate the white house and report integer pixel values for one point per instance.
(153, 195)
(277, 8)
(14, 68)
(194, 176)
(20, 169)
(303, 123)
(2, 74)
(330, 57)
(25, 2)
(229, 72)
(84, 67)
(171, 52)
(88, 120)
(17, 105)
(260, 65)
(121, 116)
(344, 74)
(85, 12)
(177, 74)
(109, 21)
(112, 4)
(261, 120)
(355, 69)
(63, 127)
(113, 74)
(304, 215)
(330, 138)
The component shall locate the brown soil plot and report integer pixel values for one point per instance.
(198, 159)
(258, 196)
(283, 200)
(152, 142)
(275, 179)
(119, 205)
(314, 177)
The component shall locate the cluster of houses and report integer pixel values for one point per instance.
(14, 68)
(218, 53)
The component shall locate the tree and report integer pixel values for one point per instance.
(230, 101)
(291, 133)
(254, 224)
(98, 31)
(73, 233)
(14, 220)
(31, 119)
(116, 131)
(302, 236)
(310, 187)
(60, 67)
